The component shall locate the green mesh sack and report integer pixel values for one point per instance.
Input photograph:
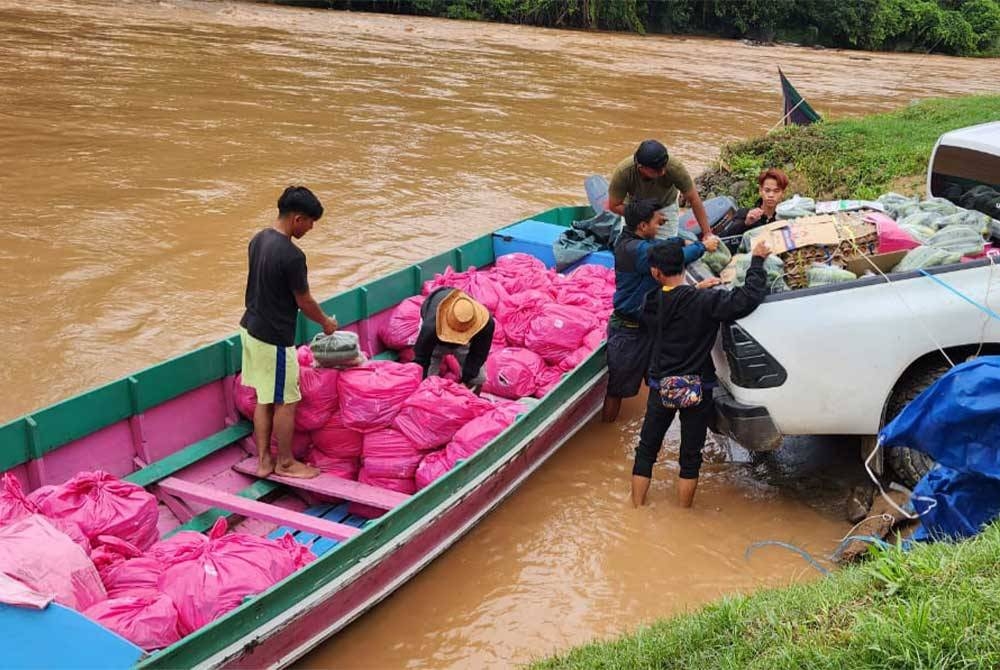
(957, 239)
(938, 206)
(922, 257)
(718, 259)
(976, 221)
(824, 275)
(919, 233)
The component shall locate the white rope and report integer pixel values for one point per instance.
(782, 120)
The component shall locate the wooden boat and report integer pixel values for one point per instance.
(173, 428)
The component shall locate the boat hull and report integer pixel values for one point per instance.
(322, 614)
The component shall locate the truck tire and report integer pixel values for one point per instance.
(910, 465)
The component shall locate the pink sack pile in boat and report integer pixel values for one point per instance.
(401, 330)
(102, 504)
(149, 622)
(370, 395)
(477, 433)
(486, 289)
(512, 372)
(439, 407)
(318, 387)
(389, 460)
(44, 559)
(245, 397)
(556, 330)
(337, 449)
(209, 580)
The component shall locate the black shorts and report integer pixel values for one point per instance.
(628, 359)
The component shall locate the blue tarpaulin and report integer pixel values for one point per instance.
(956, 421)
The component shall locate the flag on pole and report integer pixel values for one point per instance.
(796, 109)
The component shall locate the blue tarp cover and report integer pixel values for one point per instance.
(956, 421)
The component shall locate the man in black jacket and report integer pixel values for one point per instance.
(684, 321)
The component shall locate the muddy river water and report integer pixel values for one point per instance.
(142, 143)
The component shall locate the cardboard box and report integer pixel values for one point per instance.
(884, 262)
(805, 231)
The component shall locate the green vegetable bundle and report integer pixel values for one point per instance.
(922, 257)
(718, 259)
(822, 275)
(957, 239)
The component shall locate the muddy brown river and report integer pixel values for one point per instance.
(142, 143)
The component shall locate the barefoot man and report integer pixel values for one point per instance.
(277, 288)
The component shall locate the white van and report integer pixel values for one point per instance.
(965, 168)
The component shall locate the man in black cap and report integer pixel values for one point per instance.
(652, 173)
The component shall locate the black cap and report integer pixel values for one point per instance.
(652, 154)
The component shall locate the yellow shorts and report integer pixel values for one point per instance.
(270, 370)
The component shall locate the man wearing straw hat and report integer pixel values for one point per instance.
(453, 323)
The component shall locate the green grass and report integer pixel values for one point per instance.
(936, 606)
(849, 158)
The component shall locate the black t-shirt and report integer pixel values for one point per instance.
(277, 273)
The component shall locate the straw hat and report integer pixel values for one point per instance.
(459, 318)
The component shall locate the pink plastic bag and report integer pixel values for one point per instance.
(400, 484)
(139, 576)
(486, 289)
(371, 395)
(300, 554)
(335, 440)
(594, 338)
(305, 356)
(477, 433)
(547, 380)
(245, 396)
(518, 311)
(512, 372)
(400, 331)
(14, 504)
(319, 398)
(389, 453)
(519, 272)
(434, 465)
(44, 559)
(103, 505)
(557, 330)
(450, 369)
(890, 236)
(573, 359)
(449, 278)
(149, 622)
(111, 550)
(209, 580)
(406, 355)
(439, 407)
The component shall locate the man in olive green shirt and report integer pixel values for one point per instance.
(652, 173)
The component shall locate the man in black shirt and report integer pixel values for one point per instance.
(277, 287)
(685, 323)
(451, 322)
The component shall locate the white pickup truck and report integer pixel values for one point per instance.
(844, 359)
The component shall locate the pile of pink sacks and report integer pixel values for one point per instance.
(91, 544)
(383, 425)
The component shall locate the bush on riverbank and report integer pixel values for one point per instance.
(861, 157)
(967, 28)
(937, 606)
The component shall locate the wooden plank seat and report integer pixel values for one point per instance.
(201, 523)
(189, 455)
(339, 513)
(333, 487)
(256, 510)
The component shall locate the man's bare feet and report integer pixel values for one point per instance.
(265, 466)
(296, 469)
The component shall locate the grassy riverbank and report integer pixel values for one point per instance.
(937, 606)
(861, 157)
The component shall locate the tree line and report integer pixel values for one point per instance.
(957, 27)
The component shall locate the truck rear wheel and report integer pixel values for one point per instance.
(910, 465)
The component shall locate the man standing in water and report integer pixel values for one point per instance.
(652, 173)
(277, 287)
(685, 323)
